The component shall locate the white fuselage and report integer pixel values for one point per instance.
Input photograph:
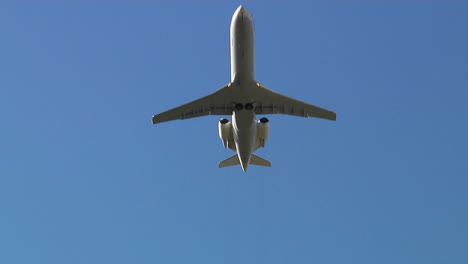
(242, 47)
(243, 77)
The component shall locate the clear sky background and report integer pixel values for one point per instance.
(86, 178)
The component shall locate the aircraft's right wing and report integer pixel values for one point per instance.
(217, 103)
(270, 102)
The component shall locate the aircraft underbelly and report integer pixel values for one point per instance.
(245, 134)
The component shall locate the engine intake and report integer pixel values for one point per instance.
(225, 131)
(263, 130)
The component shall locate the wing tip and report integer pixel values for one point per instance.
(154, 120)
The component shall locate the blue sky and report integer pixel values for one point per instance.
(86, 178)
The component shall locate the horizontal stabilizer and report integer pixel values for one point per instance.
(256, 160)
(234, 160)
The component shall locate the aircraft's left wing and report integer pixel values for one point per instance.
(216, 103)
(270, 102)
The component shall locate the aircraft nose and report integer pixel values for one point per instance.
(242, 12)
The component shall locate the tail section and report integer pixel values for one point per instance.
(254, 160)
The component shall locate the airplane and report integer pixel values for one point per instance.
(244, 98)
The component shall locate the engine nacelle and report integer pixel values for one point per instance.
(225, 131)
(263, 130)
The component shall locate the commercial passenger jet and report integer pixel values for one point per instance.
(243, 98)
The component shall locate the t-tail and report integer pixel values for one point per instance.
(254, 160)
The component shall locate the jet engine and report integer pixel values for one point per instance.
(225, 131)
(263, 130)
